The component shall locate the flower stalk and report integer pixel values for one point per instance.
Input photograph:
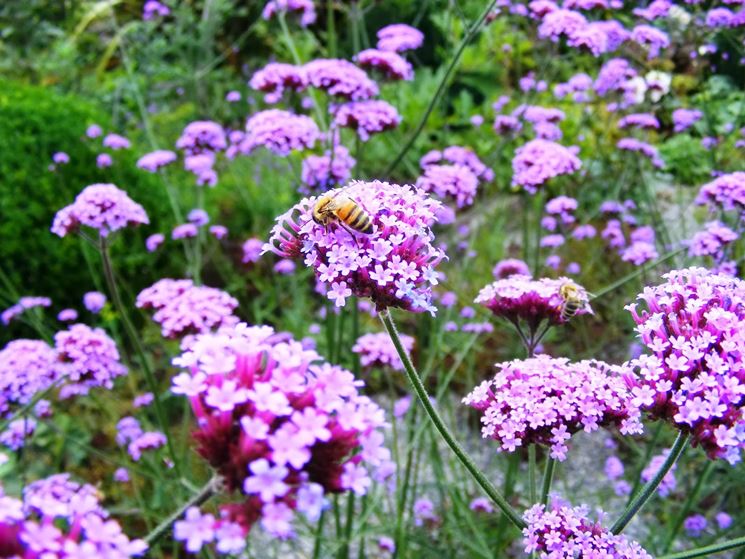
(707, 550)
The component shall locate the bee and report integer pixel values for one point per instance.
(343, 209)
(574, 300)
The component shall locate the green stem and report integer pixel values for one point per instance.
(548, 478)
(651, 486)
(441, 88)
(349, 522)
(209, 489)
(531, 474)
(318, 538)
(690, 501)
(447, 436)
(707, 550)
(137, 343)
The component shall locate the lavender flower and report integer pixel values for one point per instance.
(544, 400)
(668, 483)
(321, 172)
(650, 37)
(93, 131)
(541, 160)
(60, 158)
(104, 161)
(399, 37)
(377, 351)
(561, 22)
(694, 525)
(391, 64)
(202, 136)
(184, 231)
(67, 315)
(94, 301)
(26, 368)
(304, 8)
(510, 267)
(712, 240)
(639, 120)
(649, 151)
(252, 250)
(275, 77)
(340, 78)
(116, 142)
(458, 155)
(724, 193)
(153, 9)
(156, 159)
(23, 304)
(394, 265)
(280, 132)
(367, 117)
(683, 119)
(154, 241)
(450, 181)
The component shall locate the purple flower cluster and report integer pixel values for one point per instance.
(399, 37)
(724, 193)
(639, 120)
(153, 9)
(156, 159)
(541, 160)
(59, 518)
(394, 265)
(650, 37)
(23, 304)
(281, 427)
(131, 435)
(321, 172)
(202, 136)
(116, 142)
(280, 132)
(340, 78)
(450, 181)
(26, 368)
(564, 532)
(390, 63)
(377, 351)
(100, 206)
(183, 308)
(712, 240)
(304, 8)
(510, 267)
(458, 155)
(683, 119)
(694, 376)
(367, 117)
(197, 530)
(275, 77)
(669, 482)
(544, 400)
(647, 150)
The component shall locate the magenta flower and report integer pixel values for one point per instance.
(275, 77)
(23, 304)
(321, 172)
(683, 119)
(541, 160)
(156, 159)
(458, 155)
(184, 231)
(100, 206)
(202, 136)
(669, 482)
(367, 117)
(724, 193)
(104, 161)
(390, 63)
(252, 250)
(183, 308)
(693, 376)
(116, 142)
(60, 158)
(399, 37)
(565, 532)
(377, 351)
(394, 265)
(153, 9)
(510, 267)
(26, 368)
(649, 151)
(340, 78)
(450, 181)
(544, 400)
(639, 120)
(304, 8)
(94, 301)
(280, 132)
(154, 241)
(650, 37)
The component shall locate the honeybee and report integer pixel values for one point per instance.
(575, 299)
(343, 209)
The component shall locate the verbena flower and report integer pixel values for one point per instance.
(683, 119)
(62, 519)
(391, 64)
(564, 532)
(67, 315)
(252, 250)
(693, 376)
(399, 37)
(154, 241)
(283, 429)
(116, 142)
(650, 37)
(510, 267)
(694, 525)
(321, 172)
(94, 301)
(152, 9)
(26, 369)
(304, 8)
(639, 120)
(275, 78)
(544, 400)
(156, 160)
(280, 132)
(184, 231)
(104, 161)
(613, 75)
(458, 155)
(202, 136)
(23, 304)
(367, 117)
(538, 161)
(649, 151)
(450, 181)
(183, 308)
(668, 483)
(377, 350)
(724, 193)
(60, 158)
(103, 207)
(712, 240)
(198, 529)
(394, 265)
(340, 78)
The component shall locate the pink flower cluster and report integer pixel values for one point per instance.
(61, 519)
(545, 400)
(450, 181)
(131, 435)
(399, 37)
(564, 532)
(541, 160)
(391, 64)
(694, 376)
(198, 529)
(458, 155)
(367, 117)
(510, 267)
(394, 265)
(202, 136)
(280, 132)
(156, 159)
(100, 206)
(304, 8)
(183, 308)
(275, 77)
(281, 427)
(340, 78)
(724, 193)
(321, 172)
(26, 368)
(377, 351)
(23, 304)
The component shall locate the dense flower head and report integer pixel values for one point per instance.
(565, 532)
(197, 529)
(26, 368)
(399, 37)
(100, 206)
(639, 120)
(88, 358)
(252, 250)
(613, 75)
(544, 400)
(694, 375)
(183, 308)
(152, 9)
(668, 483)
(561, 22)
(458, 155)
(340, 78)
(648, 150)
(650, 37)
(726, 192)
(156, 159)
(510, 267)
(685, 118)
(116, 142)
(202, 136)
(321, 172)
(304, 8)
(377, 350)
(59, 518)
(137, 441)
(390, 63)
(280, 132)
(711, 240)
(280, 426)
(520, 297)
(23, 304)
(394, 265)
(275, 77)
(367, 117)
(541, 160)
(450, 181)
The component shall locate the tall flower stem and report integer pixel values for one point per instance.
(548, 478)
(651, 486)
(201, 496)
(707, 550)
(531, 474)
(137, 343)
(439, 424)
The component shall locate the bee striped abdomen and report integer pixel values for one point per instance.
(569, 309)
(360, 221)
